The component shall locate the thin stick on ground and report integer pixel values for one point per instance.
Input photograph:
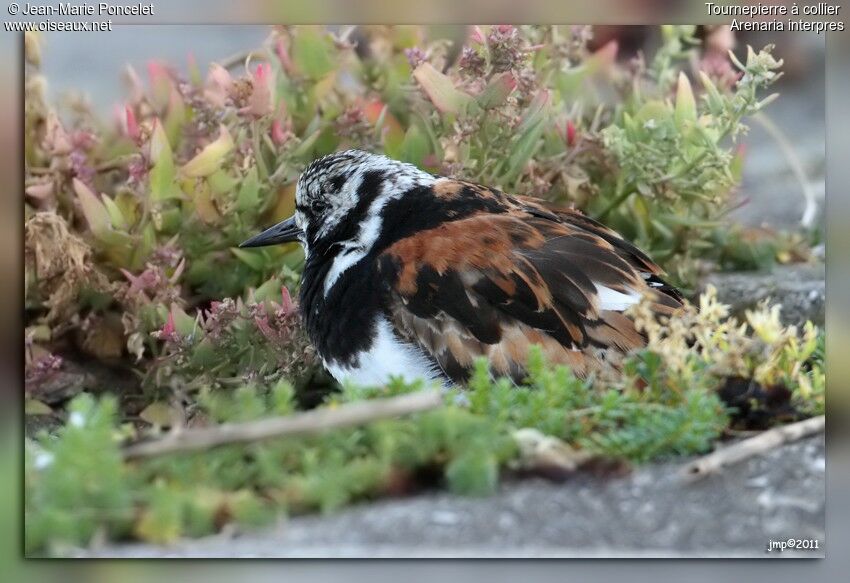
(753, 446)
(308, 423)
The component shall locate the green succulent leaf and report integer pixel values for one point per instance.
(94, 210)
(163, 174)
(441, 90)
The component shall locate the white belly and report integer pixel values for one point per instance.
(387, 357)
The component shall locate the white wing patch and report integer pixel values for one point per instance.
(610, 299)
(388, 356)
(647, 276)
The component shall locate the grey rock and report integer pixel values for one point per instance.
(799, 289)
(651, 513)
(62, 384)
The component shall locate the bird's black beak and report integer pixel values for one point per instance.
(283, 232)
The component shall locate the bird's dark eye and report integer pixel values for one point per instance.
(318, 206)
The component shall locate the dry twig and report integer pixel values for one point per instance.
(241, 58)
(796, 166)
(753, 446)
(309, 423)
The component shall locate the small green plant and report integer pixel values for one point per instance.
(77, 486)
(660, 402)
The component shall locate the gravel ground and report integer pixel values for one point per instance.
(650, 513)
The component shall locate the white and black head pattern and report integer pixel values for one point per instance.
(344, 204)
(339, 198)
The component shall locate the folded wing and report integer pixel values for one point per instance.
(493, 284)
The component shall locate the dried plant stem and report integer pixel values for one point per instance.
(118, 163)
(753, 446)
(241, 58)
(796, 166)
(309, 423)
(38, 170)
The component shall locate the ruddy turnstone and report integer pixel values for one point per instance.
(417, 275)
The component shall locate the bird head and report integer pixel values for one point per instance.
(338, 200)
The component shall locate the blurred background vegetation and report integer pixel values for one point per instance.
(135, 288)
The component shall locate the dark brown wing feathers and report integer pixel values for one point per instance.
(494, 284)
